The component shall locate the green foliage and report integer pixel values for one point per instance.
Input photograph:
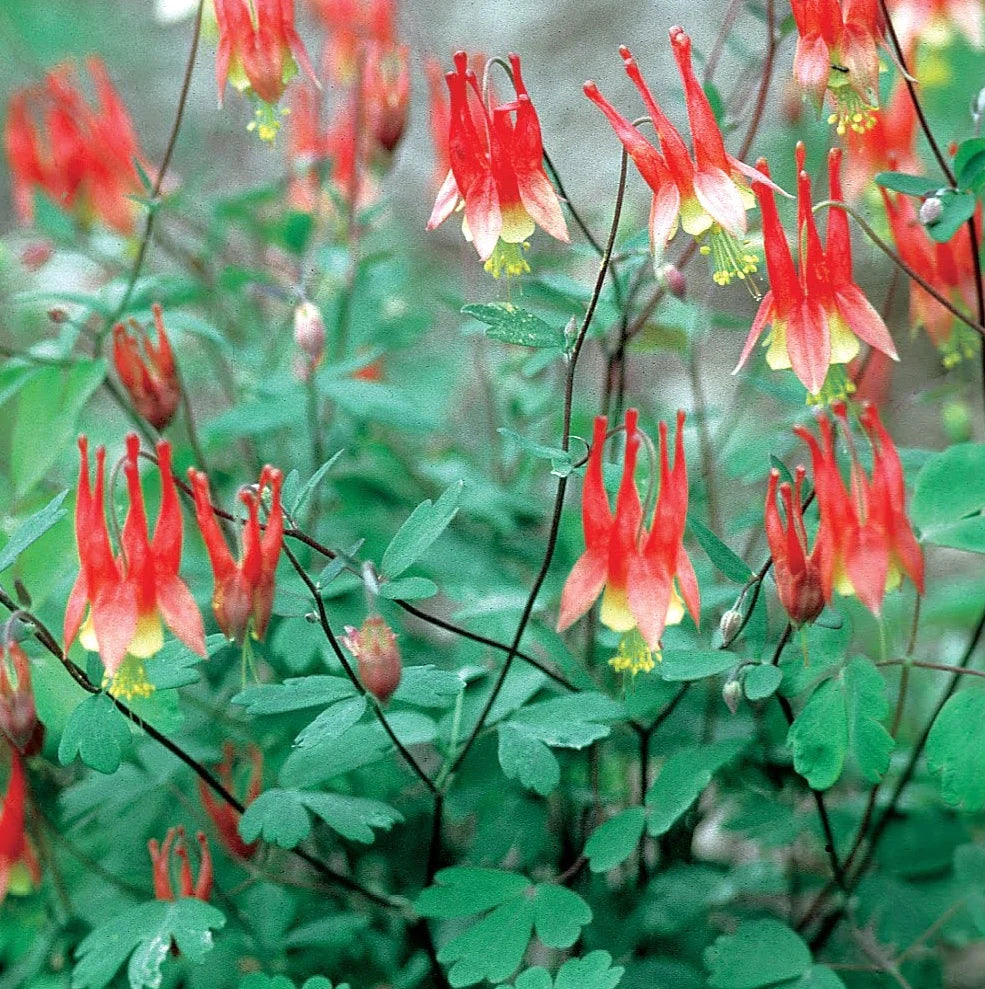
(421, 529)
(760, 953)
(948, 499)
(257, 980)
(594, 971)
(97, 733)
(510, 324)
(31, 530)
(727, 562)
(145, 934)
(611, 843)
(956, 749)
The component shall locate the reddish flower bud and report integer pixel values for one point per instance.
(309, 330)
(16, 854)
(18, 715)
(37, 254)
(174, 847)
(375, 647)
(225, 817)
(386, 93)
(147, 372)
(244, 591)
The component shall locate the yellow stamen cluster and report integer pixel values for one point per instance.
(634, 655)
(266, 121)
(508, 259)
(852, 111)
(837, 387)
(961, 345)
(129, 681)
(731, 258)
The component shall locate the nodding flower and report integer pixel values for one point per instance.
(123, 599)
(497, 171)
(816, 314)
(147, 371)
(259, 52)
(162, 857)
(933, 21)
(796, 569)
(244, 591)
(18, 713)
(864, 538)
(225, 817)
(708, 192)
(642, 575)
(19, 866)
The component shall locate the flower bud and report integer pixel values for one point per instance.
(147, 371)
(375, 647)
(732, 694)
(930, 211)
(730, 624)
(36, 254)
(672, 279)
(18, 715)
(309, 330)
(58, 315)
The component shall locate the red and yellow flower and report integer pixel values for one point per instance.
(497, 172)
(645, 577)
(224, 816)
(147, 371)
(707, 193)
(244, 591)
(864, 538)
(19, 866)
(123, 599)
(818, 314)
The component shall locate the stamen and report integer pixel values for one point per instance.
(852, 112)
(508, 259)
(130, 680)
(961, 345)
(266, 121)
(731, 258)
(634, 655)
(837, 386)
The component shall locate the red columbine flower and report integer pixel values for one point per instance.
(797, 571)
(18, 714)
(147, 371)
(79, 156)
(244, 591)
(19, 867)
(128, 596)
(932, 21)
(947, 267)
(817, 316)
(375, 647)
(636, 569)
(351, 23)
(837, 52)
(259, 52)
(497, 168)
(385, 94)
(226, 818)
(864, 537)
(707, 193)
(175, 846)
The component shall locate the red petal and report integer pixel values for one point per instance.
(809, 345)
(180, 613)
(719, 196)
(648, 588)
(581, 589)
(863, 319)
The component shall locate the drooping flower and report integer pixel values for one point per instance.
(946, 267)
(225, 817)
(864, 538)
(18, 713)
(816, 315)
(259, 52)
(244, 591)
(351, 24)
(707, 193)
(378, 656)
(497, 172)
(124, 599)
(796, 569)
(641, 575)
(837, 53)
(19, 867)
(147, 371)
(162, 858)
(933, 21)
(81, 157)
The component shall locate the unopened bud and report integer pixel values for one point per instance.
(732, 694)
(375, 647)
(309, 329)
(730, 624)
(930, 211)
(58, 315)
(36, 254)
(672, 279)
(18, 716)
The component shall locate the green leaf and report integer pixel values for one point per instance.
(731, 565)
(561, 461)
(949, 499)
(910, 185)
(761, 681)
(408, 589)
(32, 529)
(305, 493)
(278, 817)
(682, 779)
(594, 971)
(427, 686)
(760, 953)
(175, 665)
(144, 934)
(957, 208)
(969, 868)
(352, 817)
(511, 324)
(559, 916)
(866, 707)
(493, 948)
(571, 722)
(421, 529)
(613, 842)
(294, 694)
(332, 722)
(527, 759)
(464, 890)
(97, 733)
(680, 665)
(969, 163)
(956, 749)
(377, 402)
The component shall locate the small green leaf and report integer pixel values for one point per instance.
(866, 707)
(957, 208)
(680, 665)
(819, 736)
(278, 817)
(956, 749)
(334, 721)
(761, 681)
(294, 694)
(559, 916)
(910, 185)
(594, 971)
(731, 565)
(493, 948)
(969, 163)
(421, 529)
(408, 589)
(613, 842)
(175, 665)
(527, 759)
(948, 499)
(427, 686)
(511, 324)
(571, 722)
(760, 953)
(352, 817)
(305, 493)
(462, 890)
(97, 733)
(561, 462)
(32, 529)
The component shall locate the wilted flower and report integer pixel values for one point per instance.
(147, 371)
(18, 714)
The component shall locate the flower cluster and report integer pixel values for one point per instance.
(82, 157)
